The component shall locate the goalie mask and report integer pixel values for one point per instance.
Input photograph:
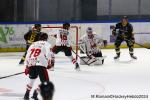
(89, 32)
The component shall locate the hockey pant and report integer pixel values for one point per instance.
(34, 72)
(129, 42)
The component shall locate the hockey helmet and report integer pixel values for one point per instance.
(37, 25)
(125, 17)
(66, 25)
(89, 30)
(43, 36)
(124, 20)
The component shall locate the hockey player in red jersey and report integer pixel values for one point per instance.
(63, 43)
(39, 58)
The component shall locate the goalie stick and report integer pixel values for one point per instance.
(11, 75)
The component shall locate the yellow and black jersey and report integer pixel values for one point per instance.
(32, 36)
(126, 30)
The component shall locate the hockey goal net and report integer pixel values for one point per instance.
(74, 34)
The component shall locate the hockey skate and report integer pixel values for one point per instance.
(77, 67)
(133, 57)
(26, 96)
(117, 57)
(35, 95)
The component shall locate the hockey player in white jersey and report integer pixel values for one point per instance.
(39, 58)
(89, 45)
(63, 43)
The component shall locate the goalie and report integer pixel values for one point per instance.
(89, 45)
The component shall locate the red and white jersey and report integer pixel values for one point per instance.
(39, 54)
(90, 44)
(63, 37)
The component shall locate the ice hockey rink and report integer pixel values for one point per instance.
(120, 78)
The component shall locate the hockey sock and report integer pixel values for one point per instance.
(30, 84)
(73, 60)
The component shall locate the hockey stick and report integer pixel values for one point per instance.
(132, 41)
(11, 75)
(81, 48)
(142, 45)
(80, 58)
(137, 44)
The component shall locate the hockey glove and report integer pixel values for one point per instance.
(112, 27)
(133, 40)
(50, 64)
(26, 71)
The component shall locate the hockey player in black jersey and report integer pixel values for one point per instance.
(123, 31)
(30, 37)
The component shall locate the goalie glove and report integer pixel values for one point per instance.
(92, 57)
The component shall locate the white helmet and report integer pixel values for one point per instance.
(89, 32)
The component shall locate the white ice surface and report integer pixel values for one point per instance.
(124, 77)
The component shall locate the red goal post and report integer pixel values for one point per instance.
(74, 30)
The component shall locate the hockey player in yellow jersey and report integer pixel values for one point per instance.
(30, 37)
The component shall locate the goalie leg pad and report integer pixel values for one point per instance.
(85, 58)
(97, 61)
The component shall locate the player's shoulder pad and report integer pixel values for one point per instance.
(129, 24)
(118, 24)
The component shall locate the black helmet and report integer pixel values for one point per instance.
(66, 24)
(124, 17)
(43, 36)
(37, 25)
(47, 90)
